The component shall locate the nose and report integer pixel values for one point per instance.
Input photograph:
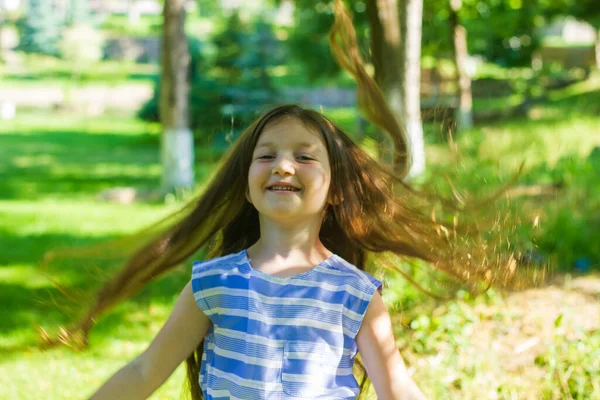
(282, 165)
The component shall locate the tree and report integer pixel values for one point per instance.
(396, 56)
(81, 45)
(246, 52)
(464, 111)
(2, 23)
(177, 151)
(230, 43)
(78, 13)
(395, 46)
(228, 91)
(491, 25)
(308, 39)
(40, 30)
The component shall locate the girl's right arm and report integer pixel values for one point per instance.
(177, 339)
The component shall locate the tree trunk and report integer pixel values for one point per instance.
(177, 145)
(1, 36)
(133, 13)
(396, 54)
(411, 19)
(464, 112)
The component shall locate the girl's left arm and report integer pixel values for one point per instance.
(382, 360)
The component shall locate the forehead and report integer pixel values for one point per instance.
(290, 132)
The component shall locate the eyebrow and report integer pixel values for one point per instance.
(301, 144)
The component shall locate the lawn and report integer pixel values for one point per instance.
(541, 343)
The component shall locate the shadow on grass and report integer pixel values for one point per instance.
(583, 103)
(41, 163)
(566, 104)
(71, 163)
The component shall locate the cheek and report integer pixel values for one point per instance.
(321, 180)
(256, 175)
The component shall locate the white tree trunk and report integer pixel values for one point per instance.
(133, 13)
(411, 15)
(177, 153)
(417, 147)
(396, 51)
(464, 111)
(1, 38)
(393, 96)
(177, 156)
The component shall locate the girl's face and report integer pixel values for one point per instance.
(288, 151)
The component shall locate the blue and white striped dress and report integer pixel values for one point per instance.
(280, 338)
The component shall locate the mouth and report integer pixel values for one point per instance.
(283, 189)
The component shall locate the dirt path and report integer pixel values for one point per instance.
(496, 349)
(533, 314)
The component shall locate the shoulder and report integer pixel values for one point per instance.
(226, 261)
(207, 275)
(358, 278)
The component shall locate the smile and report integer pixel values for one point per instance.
(288, 190)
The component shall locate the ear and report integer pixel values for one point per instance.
(248, 195)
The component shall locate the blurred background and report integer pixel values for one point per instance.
(112, 113)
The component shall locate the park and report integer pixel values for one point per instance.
(116, 114)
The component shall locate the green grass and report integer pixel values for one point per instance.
(151, 25)
(41, 164)
(53, 166)
(38, 70)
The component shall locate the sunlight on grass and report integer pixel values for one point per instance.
(39, 121)
(21, 274)
(62, 374)
(83, 218)
(538, 142)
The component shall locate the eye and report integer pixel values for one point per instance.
(306, 157)
(264, 156)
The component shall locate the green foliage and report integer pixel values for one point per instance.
(78, 13)
(81, 46)
(119, 25)
(40, 28)
(574, 221)
(586, 10)
(204, 109)
(309, 38)
(228, 92)
(245, 53)
(501, 31)
(572, 365)
(230, 44)
(452, 327)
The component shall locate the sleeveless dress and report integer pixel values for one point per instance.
(280, 338)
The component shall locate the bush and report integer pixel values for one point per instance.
(81, 45)
(221, 107)
(217, 113)
(573, 227)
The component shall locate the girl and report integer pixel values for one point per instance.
(282, 305)
(282, 313)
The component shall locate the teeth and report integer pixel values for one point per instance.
(284, 188)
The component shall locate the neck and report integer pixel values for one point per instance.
(289, 242)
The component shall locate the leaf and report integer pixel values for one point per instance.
(558, 321)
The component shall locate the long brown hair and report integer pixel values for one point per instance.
(376, 212)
